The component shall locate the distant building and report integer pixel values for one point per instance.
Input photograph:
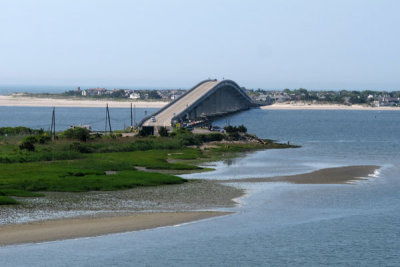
(94, 91)
(88, 127)
(281, 98)
(134, 96)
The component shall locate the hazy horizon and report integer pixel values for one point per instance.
(317, 45)
(8, 89)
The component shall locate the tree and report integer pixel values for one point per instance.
(229, 129)
(242, 129)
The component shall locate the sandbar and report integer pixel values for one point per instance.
(305, 106)
(338, 175)
(52, 230)
(21, 101)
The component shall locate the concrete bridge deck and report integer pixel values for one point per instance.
(164, 118)
(209, 97)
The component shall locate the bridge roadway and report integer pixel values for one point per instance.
(164, 118)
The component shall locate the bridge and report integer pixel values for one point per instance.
(209, 98)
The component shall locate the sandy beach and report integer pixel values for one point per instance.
(305, 106)
(86, 227)
(23, 101)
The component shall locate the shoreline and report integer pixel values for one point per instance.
(127, 219)
(23, 101)
(27, 101)
(61, 229)
(303, 106)
(195, 195)
(336, 175)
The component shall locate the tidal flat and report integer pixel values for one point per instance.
(193, 195)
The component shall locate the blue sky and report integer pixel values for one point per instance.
(175, 44)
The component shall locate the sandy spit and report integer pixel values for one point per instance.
(85, 227)
(64, 215)
(339, 175)
(191, 196)
(21, 101)
(302, 106)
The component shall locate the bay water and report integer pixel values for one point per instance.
(40, 117)
(274, 224)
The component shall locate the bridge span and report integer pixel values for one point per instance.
(207, 99)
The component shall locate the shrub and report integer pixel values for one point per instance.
(210, 137)
(242, 129)
(142, 133)
(188, 139)
(5, 159)
(27, 145)
(31, 139)
(229, 129)
(77, 133)
(81, 148)
(19, 131)
(234, 136)
(43, 139)
(7, 201)
(235, 129)
(163, 131)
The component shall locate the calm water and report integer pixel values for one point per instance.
(40, 117)
(276, 224)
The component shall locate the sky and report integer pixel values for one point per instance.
(324, 44)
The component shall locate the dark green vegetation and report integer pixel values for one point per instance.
(19, 131)
(235, 129)
(77, 161)
(7, 201)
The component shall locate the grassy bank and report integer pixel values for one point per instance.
(34, 163)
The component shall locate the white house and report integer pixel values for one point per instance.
(134, 96)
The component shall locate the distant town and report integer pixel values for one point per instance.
(164, 94)
(345, 97)
(260, 96)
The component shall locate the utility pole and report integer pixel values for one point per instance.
(105, 127)
(134, 113)
(109, 120)
(131, 119)
(53, 124)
